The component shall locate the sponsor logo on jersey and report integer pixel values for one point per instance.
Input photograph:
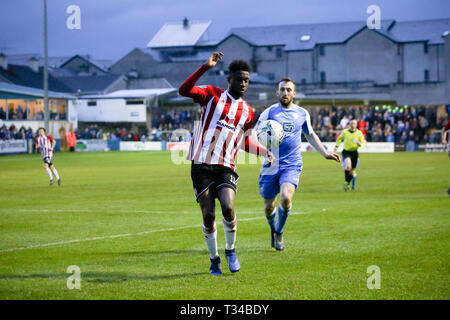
(223, 123)
(288, 128)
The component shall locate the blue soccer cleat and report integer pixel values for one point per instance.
(233, 262)
(279, 242)
(215, 267)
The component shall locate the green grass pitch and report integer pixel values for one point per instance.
(129, 221)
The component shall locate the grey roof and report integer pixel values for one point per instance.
(101, 64)
(24, 76)
(148, 83)
(55, 63)
(90, 83)
(289, 36)
(176, 35)
(12, 88)
(427, 30)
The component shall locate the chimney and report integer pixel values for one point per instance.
(185, 23)
(3, 61)
(33, 63)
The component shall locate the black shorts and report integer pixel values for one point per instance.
(48, 161)
(353, 157)
(212, 176)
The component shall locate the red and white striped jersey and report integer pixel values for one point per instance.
(219, 134)
(45, 143)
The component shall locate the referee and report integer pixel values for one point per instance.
(353, 139)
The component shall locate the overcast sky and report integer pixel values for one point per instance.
(112, 28)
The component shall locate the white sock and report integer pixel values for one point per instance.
(55, 173)
(230, 233)
(49, 173)
(211, 242)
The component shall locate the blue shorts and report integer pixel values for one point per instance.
(269, 185)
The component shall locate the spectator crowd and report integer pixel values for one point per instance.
(12, 132)
(380, 123)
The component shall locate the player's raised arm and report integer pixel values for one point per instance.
(188, 88)
(213, 59)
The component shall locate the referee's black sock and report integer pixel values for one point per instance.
(348, 176)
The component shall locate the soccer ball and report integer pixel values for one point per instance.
(270, 133)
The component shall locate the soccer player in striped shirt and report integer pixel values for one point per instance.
(353, 139)
(46, 144)
(225, 125)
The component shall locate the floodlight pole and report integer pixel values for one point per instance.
(46, 109)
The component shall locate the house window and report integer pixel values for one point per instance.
(92, 103)
(134, 102)
(35, 108)
(58, 109)
(425, 48)
(279, 53)
(17, 109)
(322, 50)
(399, 49)
(269, 48)
(426, 75)
(399, 76)
(323, 77)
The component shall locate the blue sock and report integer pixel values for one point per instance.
(353, 181)
(282, 217)
(272, 221)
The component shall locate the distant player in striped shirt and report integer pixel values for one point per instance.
(353, 139)
(225, 123)
(46, 144)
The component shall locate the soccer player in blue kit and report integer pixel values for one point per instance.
(281, 177)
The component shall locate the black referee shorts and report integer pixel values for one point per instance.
(353, 157)
(212, 176)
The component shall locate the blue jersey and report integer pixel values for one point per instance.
(294, 120)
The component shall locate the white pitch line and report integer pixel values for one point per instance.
(35, 246)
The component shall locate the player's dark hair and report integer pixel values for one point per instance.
(238, 65)
(287, 79)
(42, 129)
